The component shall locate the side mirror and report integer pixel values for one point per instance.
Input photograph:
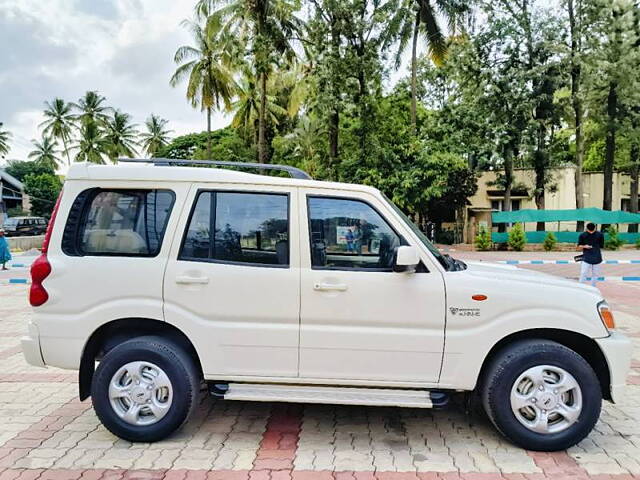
(407, 259)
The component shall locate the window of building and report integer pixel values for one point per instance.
(237, 227)
(118, 222)
(350, 234)
(499, 205)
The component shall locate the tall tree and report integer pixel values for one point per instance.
(611, 38)
(577, 25)
(91, 108)
(209, 81)
(5, 136)
(414, 18)
(121, 136)
(156, 136)
(59, 123)
(532, 34)
(45, 151)
(634, 124)
(266, 27)
(247, 107)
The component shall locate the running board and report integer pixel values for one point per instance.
(259, 392)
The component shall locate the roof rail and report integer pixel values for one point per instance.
(166, 162)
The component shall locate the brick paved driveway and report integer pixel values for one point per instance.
(46, 433)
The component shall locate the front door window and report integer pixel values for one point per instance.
(350, 235)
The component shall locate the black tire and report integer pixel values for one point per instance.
(505, 369)
(177, 365)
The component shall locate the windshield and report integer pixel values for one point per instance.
(10, 222)
(423, 238)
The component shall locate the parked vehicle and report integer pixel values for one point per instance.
(288, 289)
(14, 226)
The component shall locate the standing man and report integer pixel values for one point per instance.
(590, 242)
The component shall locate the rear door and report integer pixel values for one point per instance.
(232, 283)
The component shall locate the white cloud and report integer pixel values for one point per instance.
(124, 49)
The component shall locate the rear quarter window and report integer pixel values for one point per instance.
(105, 222)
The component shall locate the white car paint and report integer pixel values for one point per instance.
(383, 329)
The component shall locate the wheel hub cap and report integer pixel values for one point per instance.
(546, 399)
(140, 393)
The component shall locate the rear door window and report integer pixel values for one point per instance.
(118, 222)
(238, 227)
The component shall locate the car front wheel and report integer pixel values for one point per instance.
(144, 389)
(541, 395)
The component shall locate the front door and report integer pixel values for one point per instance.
(233, 283)
(359, 319)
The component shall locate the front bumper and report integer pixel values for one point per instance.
(617, 349)
(31, 347)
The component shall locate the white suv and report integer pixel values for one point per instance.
(288, 289)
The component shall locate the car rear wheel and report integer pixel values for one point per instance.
(144, 389)
(541, 395)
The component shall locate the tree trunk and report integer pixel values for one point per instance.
(508, 177)
(362, 109)
(576, 102)
(334, 116)
(209, 133)
(262, 117)
(334, 131)
(414, 74)
(634, 158)
(66, 150)
(540, 168)
(610, 151)
(508, 183)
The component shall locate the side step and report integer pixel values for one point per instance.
(260, 392)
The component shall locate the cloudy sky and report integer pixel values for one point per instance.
(122, 48)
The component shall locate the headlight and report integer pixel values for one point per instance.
(606, 315)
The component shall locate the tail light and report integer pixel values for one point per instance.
(41, 268)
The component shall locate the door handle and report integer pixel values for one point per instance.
(186, 280)
(326, 287)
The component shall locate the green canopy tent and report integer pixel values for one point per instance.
(595, 215)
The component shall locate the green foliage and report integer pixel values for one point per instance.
(156, 136)
(43, 190)
(20, 169)
(638, 243)
(59, 123)
(17, 212)
(120, 135)
(5, 136)
(226, 145)
(45, 152)
(612, 239)
(517, 238)
(483, 240)
(549, 242)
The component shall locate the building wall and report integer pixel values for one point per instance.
(559, 194)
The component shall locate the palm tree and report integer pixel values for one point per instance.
(156, 136)
(120, 135)
(59, 122)
(266, 27)
(5, 136)
(305, 138)
(208, 79)
(45, 152)
(420, 17)
(91, 108)
(92, 146)
(247, 106)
